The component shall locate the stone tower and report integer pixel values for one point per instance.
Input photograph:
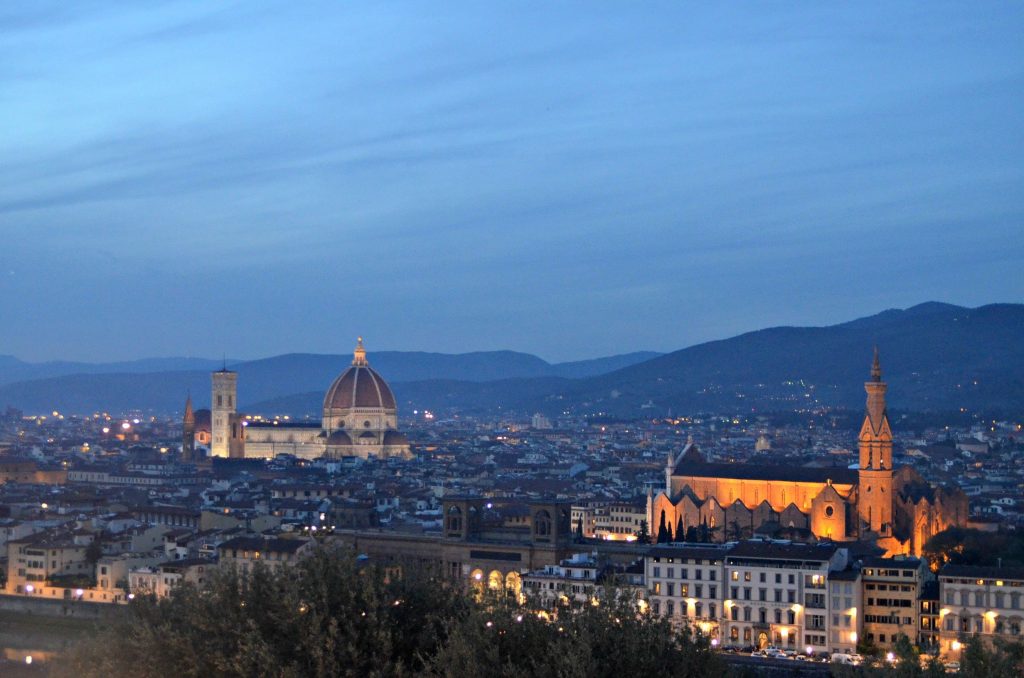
(188, 440)
(875, 476)
(222, 410)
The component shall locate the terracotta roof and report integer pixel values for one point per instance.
(395, 438)
(982, 571)
(339, 438)
(359, 386)
(797, 474)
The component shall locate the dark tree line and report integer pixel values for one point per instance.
(330, 616)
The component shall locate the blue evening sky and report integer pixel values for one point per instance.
(569, 179)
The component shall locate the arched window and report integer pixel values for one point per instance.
(542, 523)
(454, 519)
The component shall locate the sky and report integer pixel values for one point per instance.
(566, 179)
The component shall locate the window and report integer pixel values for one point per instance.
(735, 575)
(764, 577)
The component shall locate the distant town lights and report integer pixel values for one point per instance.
(125, 426)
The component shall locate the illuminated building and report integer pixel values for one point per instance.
(987, 602)
(360, 419)
(895, 509)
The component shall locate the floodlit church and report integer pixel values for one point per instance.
(360, 419)
(894, 508)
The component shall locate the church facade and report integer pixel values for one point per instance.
(360, 419)
(893, 508)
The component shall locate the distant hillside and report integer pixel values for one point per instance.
(13, 370)
(163, 391)
(934, 357)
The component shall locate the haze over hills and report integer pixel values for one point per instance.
(13, 370)
(934, 356)
(161, 390)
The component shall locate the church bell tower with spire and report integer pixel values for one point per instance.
(874, 499)
(188, 441)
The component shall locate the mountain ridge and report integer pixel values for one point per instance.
(935, 356)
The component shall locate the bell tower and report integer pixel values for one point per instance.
(188, 441)
(225, 390)
(875, 475)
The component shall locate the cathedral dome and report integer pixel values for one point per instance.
(339, 438)
(359, 387)
(395, 438)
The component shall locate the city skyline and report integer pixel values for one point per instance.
(556, 181)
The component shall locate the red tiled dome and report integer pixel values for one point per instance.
(339, 438)
(395, 438)
(359, 386)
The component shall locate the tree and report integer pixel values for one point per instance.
(975, 661)
(908, 659)
(680, 531)
(94, 551)
(332, 616)
(662, 530)
(643, 536)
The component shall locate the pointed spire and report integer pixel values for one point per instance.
(190, 416)
(876, 367)
(359, 355)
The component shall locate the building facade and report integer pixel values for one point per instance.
(895, 509)
(983, 602)
(360, 419)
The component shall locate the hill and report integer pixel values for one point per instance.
(268, 380)
(935, 357)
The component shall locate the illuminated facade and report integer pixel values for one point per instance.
(986, 602)
(896, 509)
(360, 419)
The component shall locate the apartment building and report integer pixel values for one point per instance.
(987, 602)
(892, 590)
